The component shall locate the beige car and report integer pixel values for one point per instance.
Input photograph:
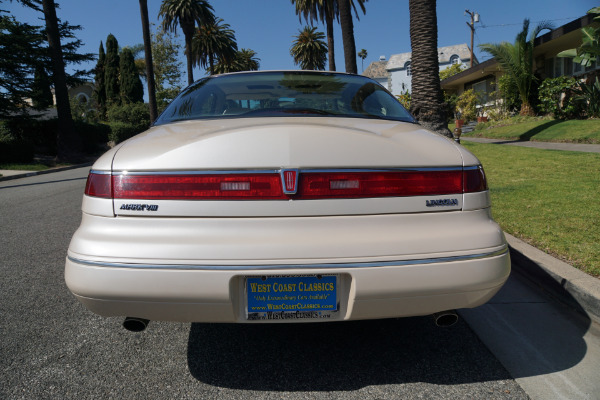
(268, 197)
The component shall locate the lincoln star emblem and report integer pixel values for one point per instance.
(289, 180)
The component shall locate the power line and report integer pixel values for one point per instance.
(483, 26)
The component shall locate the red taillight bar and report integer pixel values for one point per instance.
(474, 180)
(199, 187)
(268, 186)
(98, 185)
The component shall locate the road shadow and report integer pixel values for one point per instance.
(339, 356)
(534, 325)
(43, 183)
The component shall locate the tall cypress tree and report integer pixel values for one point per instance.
(111, 71)
(132, 90)
(100, 91)
(41, 95)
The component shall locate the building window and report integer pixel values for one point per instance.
(407, 67)
(480, 89)
(454, 59)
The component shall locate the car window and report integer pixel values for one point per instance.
(299, 93)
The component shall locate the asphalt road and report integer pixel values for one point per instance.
(51, 347)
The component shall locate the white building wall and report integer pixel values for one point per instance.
(401, 81)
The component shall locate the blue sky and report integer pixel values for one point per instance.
(268, 26)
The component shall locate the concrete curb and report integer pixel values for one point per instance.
(567, 284)
(46, 171)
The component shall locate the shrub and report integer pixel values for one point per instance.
(590, 97)
(14, 149)
(466, 105)
(557, 97)
(136, 114)
(93, 135)
(404, 99)
(450, 104)
(120, 131)
(509, 93)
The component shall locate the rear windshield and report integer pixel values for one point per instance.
(265, 94)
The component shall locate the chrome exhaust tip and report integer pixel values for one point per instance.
(134, 324)
(445, 319)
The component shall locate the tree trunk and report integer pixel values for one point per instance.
(348, 36)
(68, 144)
(330, 42)
(427, 103)
(148, 57)
(526, 109)
(188, 56)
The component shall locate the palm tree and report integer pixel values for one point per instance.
(148, 59)
(348, 36)
(516, 61)
(309, 50)
(213, 41)
(325, 11)
(244, 60)
(186, 13)
(427, 98)
(362, 54)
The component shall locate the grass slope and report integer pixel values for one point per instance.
(540, 129)
(547, 198)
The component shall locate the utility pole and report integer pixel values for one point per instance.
(474, 18)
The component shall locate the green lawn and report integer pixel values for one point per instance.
(547, 198)
(25, 167)
(541, 129)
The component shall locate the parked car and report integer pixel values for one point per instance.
(285, 197)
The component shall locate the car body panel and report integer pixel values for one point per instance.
(291, 142)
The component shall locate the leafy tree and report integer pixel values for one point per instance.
(309, 50)
(148, 60)
(111, 71)
(167, 67)
(451, 71)
(100, 83)
(516, 60)
(213, 41)
(362, 54)
(244, 60)
(130, 84)
(186, 13)
(427, 103)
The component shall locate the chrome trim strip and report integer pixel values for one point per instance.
(304, 170)
(422, 261)
(98, 172)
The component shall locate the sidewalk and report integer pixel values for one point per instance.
(9, 174)
(588, 148)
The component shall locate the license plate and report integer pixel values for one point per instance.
(291, 297)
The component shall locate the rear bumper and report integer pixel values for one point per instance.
(204, 293)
